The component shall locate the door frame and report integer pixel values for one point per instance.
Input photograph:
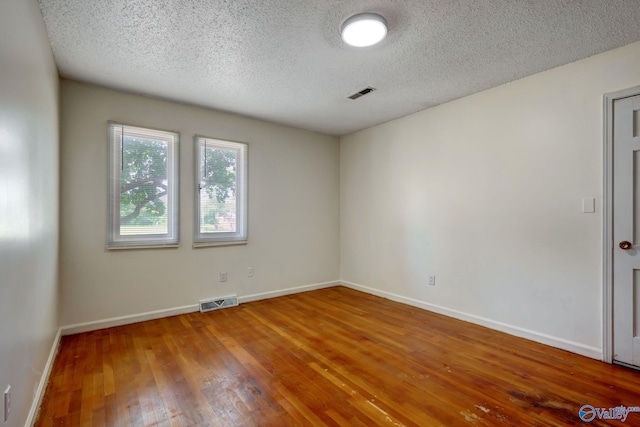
(607, 220)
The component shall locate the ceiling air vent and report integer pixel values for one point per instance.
(363, 92)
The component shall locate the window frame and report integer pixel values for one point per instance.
(171, 239)
(241, 235)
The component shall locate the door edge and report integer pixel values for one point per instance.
(607, 219)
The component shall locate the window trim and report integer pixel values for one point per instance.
(201, 240)
(116, 241)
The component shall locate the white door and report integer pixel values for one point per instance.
(626, 231)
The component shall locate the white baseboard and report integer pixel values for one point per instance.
(574, 347)
(44, 380)
(288, 291)
(158, 314)
(126, 320)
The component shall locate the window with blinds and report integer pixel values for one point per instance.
(221, 192)
(143, 187)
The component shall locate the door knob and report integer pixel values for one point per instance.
(625, 245)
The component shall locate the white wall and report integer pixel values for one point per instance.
(28, 202)
(485, 193)
(293, 211)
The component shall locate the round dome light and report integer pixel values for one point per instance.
(364, 29)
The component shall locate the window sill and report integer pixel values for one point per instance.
(129, 247)
(197, 245)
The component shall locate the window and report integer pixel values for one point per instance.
(221, 192)
(143, 187)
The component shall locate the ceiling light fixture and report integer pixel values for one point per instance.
(364, 29)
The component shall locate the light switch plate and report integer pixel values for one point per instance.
(588, 205)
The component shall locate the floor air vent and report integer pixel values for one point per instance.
(362, 93)
(218, 303)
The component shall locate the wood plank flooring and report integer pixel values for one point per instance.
(333, 357)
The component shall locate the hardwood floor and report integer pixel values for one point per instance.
(333, 357)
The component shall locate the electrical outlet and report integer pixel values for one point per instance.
(7, 403)
(250, 272)
(432, 280)
(223, 277)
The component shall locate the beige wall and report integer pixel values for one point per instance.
(28, 202)
(293, 211)
(485, 193)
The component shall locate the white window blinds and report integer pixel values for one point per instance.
(221, 192)
(143, 187)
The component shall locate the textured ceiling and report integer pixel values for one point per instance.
(283, 60)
